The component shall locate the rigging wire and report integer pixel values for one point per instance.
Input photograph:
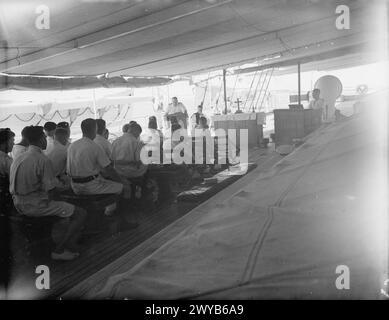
(260, 91)
(256, 89)
(248, 93)
(267, 86)
(218, 96)
(233, 90)
(206, 89)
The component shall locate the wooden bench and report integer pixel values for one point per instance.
(95, 205)
(36, 232)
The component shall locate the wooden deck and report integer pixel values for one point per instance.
(107, 248)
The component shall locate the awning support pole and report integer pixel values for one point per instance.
(225, 91)
(94, 104)
(299, 82)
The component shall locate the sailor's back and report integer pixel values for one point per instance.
(85, 158)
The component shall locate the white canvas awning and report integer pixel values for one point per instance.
(165, 38)
(31, 82)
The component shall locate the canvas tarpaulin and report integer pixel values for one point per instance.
(36, 82)
(282, 235)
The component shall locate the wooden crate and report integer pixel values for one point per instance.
(288, 125)
(294, 124)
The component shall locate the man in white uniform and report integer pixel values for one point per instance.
(126, 153)
(317, 103)
(178, 110)
(31, 183)
(20, 147)
(88, 165)
(203, 142)
(102, 141)
(65, 125)
(58, 155)
(49, 128)
(195, 119)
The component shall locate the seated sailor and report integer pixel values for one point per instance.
(58, 155)
(106, 135)
(102, 140)
(31, 183)
(169, 143)
(7, 138)
(152, 135)
(88, 166)
(49, 129)
(154, 140)
(125, 127)
(20, 147)
(65, 125)
(204, 145)
(126, 153)
(177, 147)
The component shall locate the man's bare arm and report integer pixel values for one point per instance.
(109, 172)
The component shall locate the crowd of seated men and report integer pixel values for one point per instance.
(45, 163)
(32, 181)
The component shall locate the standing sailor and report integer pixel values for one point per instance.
(317, 103)
(177, 110)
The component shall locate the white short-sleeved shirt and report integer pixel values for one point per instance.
(5, 164)
(58, 155)
(32, 174)
(104, 144)
(128, 148)
(171, 109)
(85, 158)
(151, 136)
(50, 144)
(316, 104)
(17, 150)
